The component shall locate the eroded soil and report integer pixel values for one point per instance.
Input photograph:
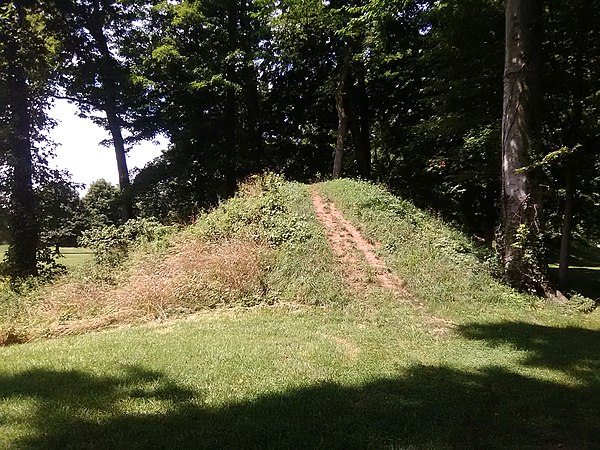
(358, 257)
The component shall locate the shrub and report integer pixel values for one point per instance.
(582, 303)
(111, 244)
(259, 211)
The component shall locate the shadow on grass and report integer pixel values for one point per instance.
(574, 351)
(424, 406)
(582, 280)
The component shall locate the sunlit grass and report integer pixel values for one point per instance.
(72, 257)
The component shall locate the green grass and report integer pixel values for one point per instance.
(364, 370)
(584, 271)
(584, 280)
(304, 378)
(72, 257)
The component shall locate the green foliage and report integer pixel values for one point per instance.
(260, 210)
(438, 263)
(111, 243)
(102, 202)
(582, 303)
(62, 215)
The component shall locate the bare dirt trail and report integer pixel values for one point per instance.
(357, 255)
(359, 259)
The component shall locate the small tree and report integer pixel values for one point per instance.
(62, 214)
(102, 203)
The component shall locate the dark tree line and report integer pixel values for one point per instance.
(410, 93)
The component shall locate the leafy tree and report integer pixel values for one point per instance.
(571, 125)
(199, 60)
(97, 77)
(62, 215)
(102, 202)
(28, 55)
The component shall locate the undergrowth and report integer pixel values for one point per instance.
(270, 210)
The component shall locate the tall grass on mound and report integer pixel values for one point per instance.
(262, 246)
(271, 210)
(438, 263)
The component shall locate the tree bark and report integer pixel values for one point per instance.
(24, 229)
(109, 87)
(340, 105)
(251, 90)
(521, 208)
(362, 101)
(565, 238)
(572, 139)
(230, 116)
(114, 127)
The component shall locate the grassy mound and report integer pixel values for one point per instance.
(441, 266)
(464, 363)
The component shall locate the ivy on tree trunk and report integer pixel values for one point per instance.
(521, 130)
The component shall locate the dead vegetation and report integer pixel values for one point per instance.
(194, 275)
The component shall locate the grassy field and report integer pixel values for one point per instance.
(72, 257)
(460, 361)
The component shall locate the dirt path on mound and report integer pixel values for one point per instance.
(357, 255)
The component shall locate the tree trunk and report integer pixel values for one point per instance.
(109, 90)
(565, 238)
(230, 117)
(251, 90)
(114, 127)
(521, 208)
(572, 139)
(24, 228)
(253, 115)
(340, 105)
(364, 156)
(354, 122)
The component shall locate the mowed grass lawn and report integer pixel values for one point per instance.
(378, 375)
(459, 362)
(72, 257)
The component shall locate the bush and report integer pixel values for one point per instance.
(259, 211)
(582, 303)
(111, 244)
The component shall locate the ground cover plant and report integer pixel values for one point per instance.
(455, 360)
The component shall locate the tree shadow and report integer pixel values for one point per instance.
(575, 351)
(581, 280)
(422, 407)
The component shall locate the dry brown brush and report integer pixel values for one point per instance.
(195, 274)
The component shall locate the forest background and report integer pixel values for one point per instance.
(405, 93)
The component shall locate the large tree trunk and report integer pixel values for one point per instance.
(109, 90)
(24, 225)
(340, 105)
(24, 229)
(521, 208)
(251, 89)
(114, 127)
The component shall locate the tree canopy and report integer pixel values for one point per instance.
(404, 92)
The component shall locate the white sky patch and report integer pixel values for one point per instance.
(79, 150)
